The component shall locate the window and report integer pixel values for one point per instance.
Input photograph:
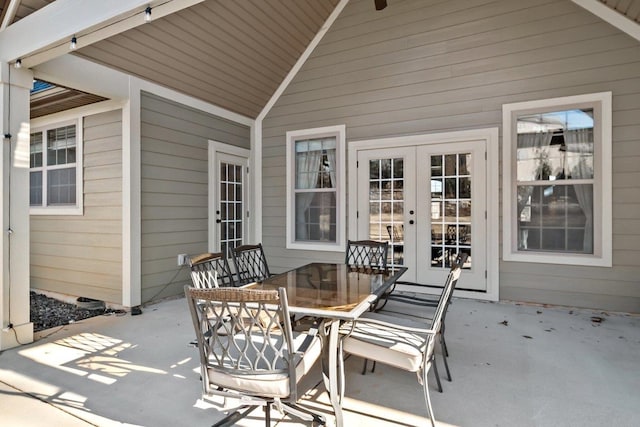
(55, 170)
(557, 180)
(315, 189)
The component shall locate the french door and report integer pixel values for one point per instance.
(228, 191)
(429, 202)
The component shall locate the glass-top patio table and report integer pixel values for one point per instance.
(332, 293)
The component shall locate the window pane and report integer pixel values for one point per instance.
(555, 145)
(35, 188)
(436, 166)
(315, 217)
(36, 150)
(61, 145)
(556, 218)
(315, 163)
(61, 187)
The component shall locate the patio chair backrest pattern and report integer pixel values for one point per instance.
(366, 254)
(247, 348)
(250, 263)
(210, 270)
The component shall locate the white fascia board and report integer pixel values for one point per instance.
(81, 74)
(60, 20)
(303, 58)
(611, 16)
(192, 102)
(36, 40)
(12, 8)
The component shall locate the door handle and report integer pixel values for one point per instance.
(410, 221)
(218, 221)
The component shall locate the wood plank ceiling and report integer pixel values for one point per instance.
(233, 54)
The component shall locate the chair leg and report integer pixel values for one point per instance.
(364, 367)
(233, 418)
(435, 372)
(427, 399)
(445, 350)
(444, 357)
(267, 415)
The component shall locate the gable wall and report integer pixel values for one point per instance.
(174, 187)
(81, 255)
(433, 66)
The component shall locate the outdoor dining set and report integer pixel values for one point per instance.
(258, 333)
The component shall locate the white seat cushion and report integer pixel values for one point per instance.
(271, 385)
(388, 345)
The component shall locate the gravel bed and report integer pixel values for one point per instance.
(49, 312)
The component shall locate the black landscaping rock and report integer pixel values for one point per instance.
(49, 312)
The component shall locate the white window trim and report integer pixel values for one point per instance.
(602, 256)
(78, 209)
(339, 131)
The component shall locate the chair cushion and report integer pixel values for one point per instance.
(391, 346)
(268, 385)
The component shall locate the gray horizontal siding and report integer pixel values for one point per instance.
(433, 66)
(82, 255)
(174, 187)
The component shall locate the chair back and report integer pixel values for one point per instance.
(250, 263)
(244, 339)
(210, 270)
(366, 254)
(447, 292)
(457, 265)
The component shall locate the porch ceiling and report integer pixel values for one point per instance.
(233, 54)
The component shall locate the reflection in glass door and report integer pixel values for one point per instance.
(231, 206)
(386, 205)
(450, 208)
(427, 201)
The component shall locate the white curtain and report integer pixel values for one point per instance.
(307, 169)
(581, 141)
(331, 158)
(538, 141)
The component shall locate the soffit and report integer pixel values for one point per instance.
(233, 54)
(56, 98)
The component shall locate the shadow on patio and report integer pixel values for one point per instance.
(512, 365)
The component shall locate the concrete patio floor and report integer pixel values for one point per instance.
(512, 365)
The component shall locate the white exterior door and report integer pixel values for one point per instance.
(228, 192)
(429, 202)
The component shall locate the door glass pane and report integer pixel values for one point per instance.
(231, 206)
(386, 205)
(450, 209)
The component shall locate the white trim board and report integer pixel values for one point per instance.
(611, 16)
(35, 40)
(255, 160)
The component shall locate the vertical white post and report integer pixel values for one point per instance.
(15, 85)
(131, 226)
